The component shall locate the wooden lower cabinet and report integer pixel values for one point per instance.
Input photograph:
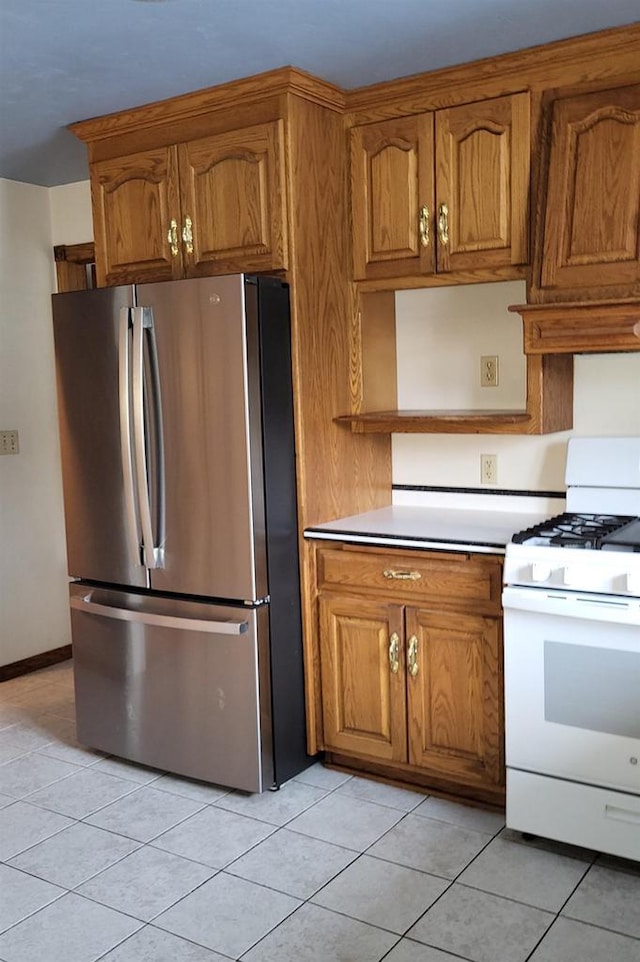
(416, 688)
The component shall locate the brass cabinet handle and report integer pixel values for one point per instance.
(423, 226)
(412, 656)
(172, 238)
(187, 234)
(443, 224)
(396, 575)
(394, 650)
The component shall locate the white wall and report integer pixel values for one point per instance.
(441, 335)
(71, 213)
(33, 575)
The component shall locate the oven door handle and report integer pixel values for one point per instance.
(616, 609)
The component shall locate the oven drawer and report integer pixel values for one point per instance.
(594, 818)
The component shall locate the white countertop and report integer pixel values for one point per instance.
(451, 529)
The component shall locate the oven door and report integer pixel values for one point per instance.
(572, 686)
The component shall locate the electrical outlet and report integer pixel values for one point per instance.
(489, 370)
(489, 468)
(9, 442)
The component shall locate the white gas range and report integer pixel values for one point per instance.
(572, 658)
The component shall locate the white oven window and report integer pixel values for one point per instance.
(593, 688)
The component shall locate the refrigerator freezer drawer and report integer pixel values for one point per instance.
(172, 684)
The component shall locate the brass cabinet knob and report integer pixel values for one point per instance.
(423, 226)
(394, 651)
(187, 235)
(443, 224)
(412, 656)
(172, 238)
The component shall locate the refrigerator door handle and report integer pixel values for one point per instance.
(124, 390)
(155, 397)
(150, 558)
(161, 621)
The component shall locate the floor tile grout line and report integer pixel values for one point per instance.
(18, 801)
(136, 787)
(542, 937)
(30, 915)
(601, 928)
(148, 841)
(448, 888)
(73, 889)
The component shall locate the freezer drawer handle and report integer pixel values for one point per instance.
(161, 621)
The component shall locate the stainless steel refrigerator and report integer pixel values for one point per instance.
(176, 426)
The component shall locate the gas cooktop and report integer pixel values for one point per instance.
(588, 531)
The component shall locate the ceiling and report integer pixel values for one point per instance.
(68, 60)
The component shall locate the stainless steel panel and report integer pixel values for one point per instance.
(100, 544)
(171, 684)
(214, 536)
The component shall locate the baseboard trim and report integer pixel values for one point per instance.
(27, 665)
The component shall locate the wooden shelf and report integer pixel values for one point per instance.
(439, 422)
(549, 408)
(580, 327)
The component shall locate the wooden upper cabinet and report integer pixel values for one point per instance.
(233, 194)
(134, 200)
(392, 197)
(442, 191)
(209, 206)
(591, 215)
(482, 184)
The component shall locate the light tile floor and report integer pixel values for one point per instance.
(100, 859)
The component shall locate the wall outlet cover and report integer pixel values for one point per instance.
(489, 468)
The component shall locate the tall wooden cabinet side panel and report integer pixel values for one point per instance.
(135, 199)
(392, 197)
(338, 473)
(233, 192)
(482, 183)
(454, 697)
(363, 677)
(591, 241)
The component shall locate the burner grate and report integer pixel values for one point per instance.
(571, 530)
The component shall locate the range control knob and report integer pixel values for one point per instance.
(633, 582)
(540, 571)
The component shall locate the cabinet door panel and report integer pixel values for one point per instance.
(233, 191)
(134, 201)
(363, 697)
(592, 219)
(454, 698)
(391, 180)
(482, 176)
